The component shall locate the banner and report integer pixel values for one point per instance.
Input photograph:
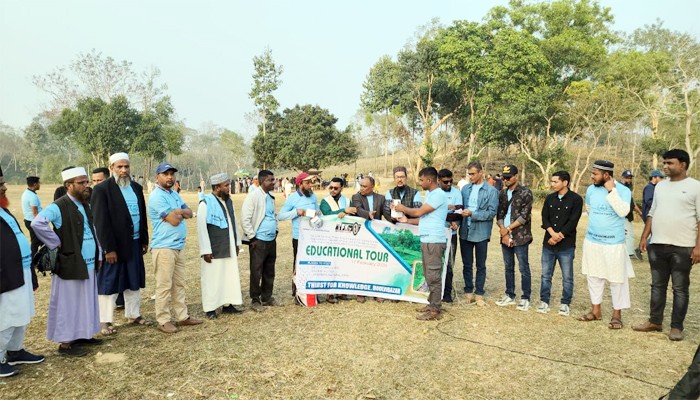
(362, 257)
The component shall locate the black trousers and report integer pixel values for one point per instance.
(295, 247)
(263, 255)
(674, 263)
(35, 244)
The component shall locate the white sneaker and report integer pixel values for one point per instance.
(523, 305)
(505, 301)
(564, 310)
(543, 308)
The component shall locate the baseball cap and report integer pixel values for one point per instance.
(509, 170)
(163, 167)
(302, 177)
(656, 173)
(627, 174)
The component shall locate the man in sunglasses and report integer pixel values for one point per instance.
(336, 204)
(454, 202)
(514, 220)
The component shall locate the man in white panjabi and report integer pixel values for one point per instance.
(219, 242)
(604, 252)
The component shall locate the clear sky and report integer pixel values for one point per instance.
(204, 49)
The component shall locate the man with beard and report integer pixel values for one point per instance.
(673, 223)
(604, 253)
(219, 242)
(480, 202)
(632, 251)
(407, 195)
(336, 204)
(168, 213)
(16, 294)
(431, 228)
(259, 226)
(31, 207)
(294, 208)
(73, 308)
(369, 205)
(514, 220)
(119, 211)
(454, 202)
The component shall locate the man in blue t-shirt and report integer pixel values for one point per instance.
(294, 208)
(454, 202)
(433, 237)
(168, 213)
(31, 207)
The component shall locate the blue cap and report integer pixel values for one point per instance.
(627, 174)
(163, 167)
(656, 173)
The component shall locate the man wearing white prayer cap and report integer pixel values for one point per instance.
(119, 208)
(219, 242)
(604, 253)
(73, 311)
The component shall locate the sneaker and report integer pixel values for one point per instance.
(23, 357)
(543, 308)
(211, 314)
(523, 305)
(257, 307)
(505, 301)
(564, 310)
(6, 370)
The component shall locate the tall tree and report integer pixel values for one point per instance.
(266, 80)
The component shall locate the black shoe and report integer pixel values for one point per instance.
(230, 310)
(447, 299)
(6, 370)
(88, 342)
(23, 357)
(71, 351)
(211, 314)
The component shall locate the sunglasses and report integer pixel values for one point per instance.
(334, 187)
(447, 182)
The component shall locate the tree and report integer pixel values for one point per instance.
(266, 80)
(235, 145)
(157, 134)
(304, 137)
(99, 128)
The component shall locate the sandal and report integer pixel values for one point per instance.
(615, 323)
(107, 329)
(140, 321)
(589, 317)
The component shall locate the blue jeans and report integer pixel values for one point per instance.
(509, 254)
(468, 249)
(566, 262)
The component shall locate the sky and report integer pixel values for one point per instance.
(205, 48)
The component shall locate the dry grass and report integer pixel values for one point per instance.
(366, 351)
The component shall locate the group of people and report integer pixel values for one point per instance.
(100, 235)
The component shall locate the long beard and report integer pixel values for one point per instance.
(599, 184)
(4, 202)
(224, 196)
(306, 193)
(123, 182)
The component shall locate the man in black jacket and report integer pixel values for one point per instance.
(16, 295)
(119, 212)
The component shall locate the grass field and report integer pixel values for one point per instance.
(367, 351)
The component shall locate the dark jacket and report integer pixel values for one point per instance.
(406, 200)
(70, 259)
(520, 210)
(113, 222)
(360, 202)
(11, 274)
(218, 237)
(562, 215)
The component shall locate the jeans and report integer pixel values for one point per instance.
(566, 262)
(509, 254)
(449, 274)
(668, 261)
(468, 249)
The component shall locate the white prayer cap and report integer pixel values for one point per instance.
(219, 178)
(73, 173)
(118, 156)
